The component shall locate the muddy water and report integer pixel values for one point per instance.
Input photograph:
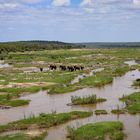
(82, 76)
(121, 86)
(42, 102)
(131, 62)
(3, 64)
(131, 123)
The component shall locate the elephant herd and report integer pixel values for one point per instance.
(64, 68)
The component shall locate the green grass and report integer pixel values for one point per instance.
(98, 131)
(9, 100)
(120, 71)
(58, 89)
(32, 89)
(44, 121)
(119, 55)
(24, 136)
(100, 112)
(97, 81)
(118, 111)
(132, 102)
(15, 137)
(59, 77)
(136, 83)
(91, 99)
(14, 103)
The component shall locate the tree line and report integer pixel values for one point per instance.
(22, 46)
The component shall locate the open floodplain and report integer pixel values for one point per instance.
(70, 94)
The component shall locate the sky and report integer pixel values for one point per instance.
(70, 20)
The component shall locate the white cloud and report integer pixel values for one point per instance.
(61, 2)
(31, 1)
(8, 5)
(87, 3)
(136, 2)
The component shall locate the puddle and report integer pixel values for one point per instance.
(82, 76)
(131, 124)
(43, 102)
(33, 69)
(32, 133)
(131, 62)
(3, 64)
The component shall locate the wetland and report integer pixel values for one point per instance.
(97, 95)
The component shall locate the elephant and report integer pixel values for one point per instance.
(41, 69)
(138, 80)
(62, 67)
(82, 67)
(70, 68)
(53, 67)
(77, 67)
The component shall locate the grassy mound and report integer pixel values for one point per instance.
(132, 102)
(23, 136)
(118, 111)
(7, 100)
(120, 71)
(136, 83)
(98, 131)
(100, 112)
(58, 89)
(44, 121)
(14, 103)
(97, 81)
(92, 99)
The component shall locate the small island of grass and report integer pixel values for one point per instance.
(59, 89)
(118, 111)
(91, 99)
(8, 100)
(44, 121)
(132, 102)
(24, 136)
(97, 81)
(101, 112)
(136, 83)
(98, 131)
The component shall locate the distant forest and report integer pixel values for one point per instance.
(21, 46)
(112, 45)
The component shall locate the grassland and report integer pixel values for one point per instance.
(132, 102)
(98, 131)
(112, 60)
(53, 76)
(24, 77)
(61, 56)
(50, 79)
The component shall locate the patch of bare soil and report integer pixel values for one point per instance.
(26, 85)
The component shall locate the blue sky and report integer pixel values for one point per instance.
(70, 20)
